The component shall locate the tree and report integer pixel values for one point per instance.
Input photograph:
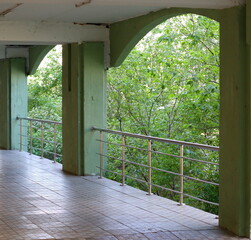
(169, 84)
(45, 88)
(169, 87)
(45, 102)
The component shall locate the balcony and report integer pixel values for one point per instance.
(39, 201)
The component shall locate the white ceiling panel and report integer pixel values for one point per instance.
(97, 11)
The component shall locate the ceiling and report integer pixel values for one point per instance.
(95, 11)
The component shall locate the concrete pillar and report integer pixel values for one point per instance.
(234, 211)
(5, 105)
(84, 88)
(13, 97)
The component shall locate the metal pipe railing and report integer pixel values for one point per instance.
(101, 154)
(123, 160)
(39, 120)
(43, 131)
(31, 137)
(21, 135)
(181, 174)
(42, 139)
(55, 143)
(165, 140)
(150, 168)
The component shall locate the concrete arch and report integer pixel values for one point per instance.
(126, 34)
(36, 55)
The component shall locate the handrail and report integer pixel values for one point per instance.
(166, 140)
(182, 176)
(39, 120)
(29, 134)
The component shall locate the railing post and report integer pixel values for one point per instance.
(101, 154)
(21, 136)
(149, 167)
(55, 142)
(31, 137)
(123, 160)
(181, 175)
(42, 139)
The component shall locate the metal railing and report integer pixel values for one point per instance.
(41, 137)
(148, 165)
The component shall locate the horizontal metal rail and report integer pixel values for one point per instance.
(136, 179)
(165, 140)
(39, 120)
(161, 170)
(161, 153)
(46, 151)
(167, 189)
(201, 200)
(47, 141)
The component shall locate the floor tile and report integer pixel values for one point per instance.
(39, 201)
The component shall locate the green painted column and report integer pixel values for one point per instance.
(13, 100)
(4, 105)
(84, 94)
(18, 98)
(235, 119)
(234, 211)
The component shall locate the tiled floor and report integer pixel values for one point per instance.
(39, 201)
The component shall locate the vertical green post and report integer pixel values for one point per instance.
(18, 97)
(13, 98)
(234, 211)
(84, 102)
(5, 142)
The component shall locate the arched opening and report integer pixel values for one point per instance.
(45, 87)
(41, 135)
(168, 87)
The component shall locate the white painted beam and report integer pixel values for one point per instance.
(46, 33)
(17, 52)
(49, 33)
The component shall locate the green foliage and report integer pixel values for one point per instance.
(169, 84)
(45, 88)
(169, 87)
(44, 142)
(45, 102)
